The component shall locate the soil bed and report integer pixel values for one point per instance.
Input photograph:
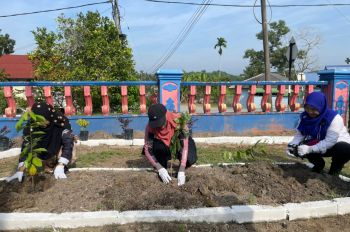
(255, 183)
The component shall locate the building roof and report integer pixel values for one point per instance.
(17, 66)
(273, 77)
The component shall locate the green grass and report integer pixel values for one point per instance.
(90, 159)
(240, 153)
(86, 159)
(207, 154)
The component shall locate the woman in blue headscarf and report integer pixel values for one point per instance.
(321, 133)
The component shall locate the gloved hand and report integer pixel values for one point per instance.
(181, 178)
(59, 172)
(18, 174)
(303, 150)
(163, 173)
(291, 149)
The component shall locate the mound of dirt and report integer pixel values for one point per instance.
(255, 183)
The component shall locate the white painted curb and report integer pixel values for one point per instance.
(343, 205)
(15, 221)
(258, 213)
(10, 153)
(313, 209)
(237, 213)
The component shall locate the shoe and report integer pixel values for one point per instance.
(317, 169)
(335, 171)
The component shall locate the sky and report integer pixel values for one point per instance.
(152, 27)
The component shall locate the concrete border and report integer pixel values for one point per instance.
(236, 214)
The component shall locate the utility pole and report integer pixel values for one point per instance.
(265, 40)
(116, 15)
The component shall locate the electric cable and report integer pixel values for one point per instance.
(177, 38)
(241, 5)
(51, 10)
(182, 35)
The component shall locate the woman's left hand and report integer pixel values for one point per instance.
(59, 172)
(181, 178)
(303, 150)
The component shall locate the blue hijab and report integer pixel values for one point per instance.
(316, 128)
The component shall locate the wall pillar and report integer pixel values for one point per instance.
(169, 82)
(337, 90)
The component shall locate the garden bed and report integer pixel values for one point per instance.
(256, 183)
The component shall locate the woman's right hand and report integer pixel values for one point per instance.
(18, 175)
(164, 175)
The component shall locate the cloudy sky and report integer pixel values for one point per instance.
(153, 27)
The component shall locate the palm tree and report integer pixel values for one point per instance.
(347, 60)
(221, 43)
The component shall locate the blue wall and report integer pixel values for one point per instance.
(213, 124)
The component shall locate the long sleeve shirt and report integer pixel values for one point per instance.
(161, 133)
(336, 132)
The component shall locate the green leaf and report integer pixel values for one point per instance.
(24, 151)
(40, 118)
(25, 116)
(38, 133)
(19, 124)
(40, 150)
(37, 162)
(32, 115)
(29, 158)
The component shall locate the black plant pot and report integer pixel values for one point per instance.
(4, 143)
(129, 134)
(84, 135)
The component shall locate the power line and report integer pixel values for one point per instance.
(341, 13)
(244, 5)
(182, 35)
(57, 9)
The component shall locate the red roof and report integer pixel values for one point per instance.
(17, 66)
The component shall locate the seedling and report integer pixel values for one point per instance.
(32, 123)
(181, 132)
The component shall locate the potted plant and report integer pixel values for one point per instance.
(4, 140)
(128, 133)
(84, 133)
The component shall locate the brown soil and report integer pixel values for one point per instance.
(255, 183)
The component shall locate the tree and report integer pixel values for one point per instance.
(347, 60)
(277, 52)
(85, 48)
(6, 47)
(307, 40)
(6, 44)
(221, 43)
